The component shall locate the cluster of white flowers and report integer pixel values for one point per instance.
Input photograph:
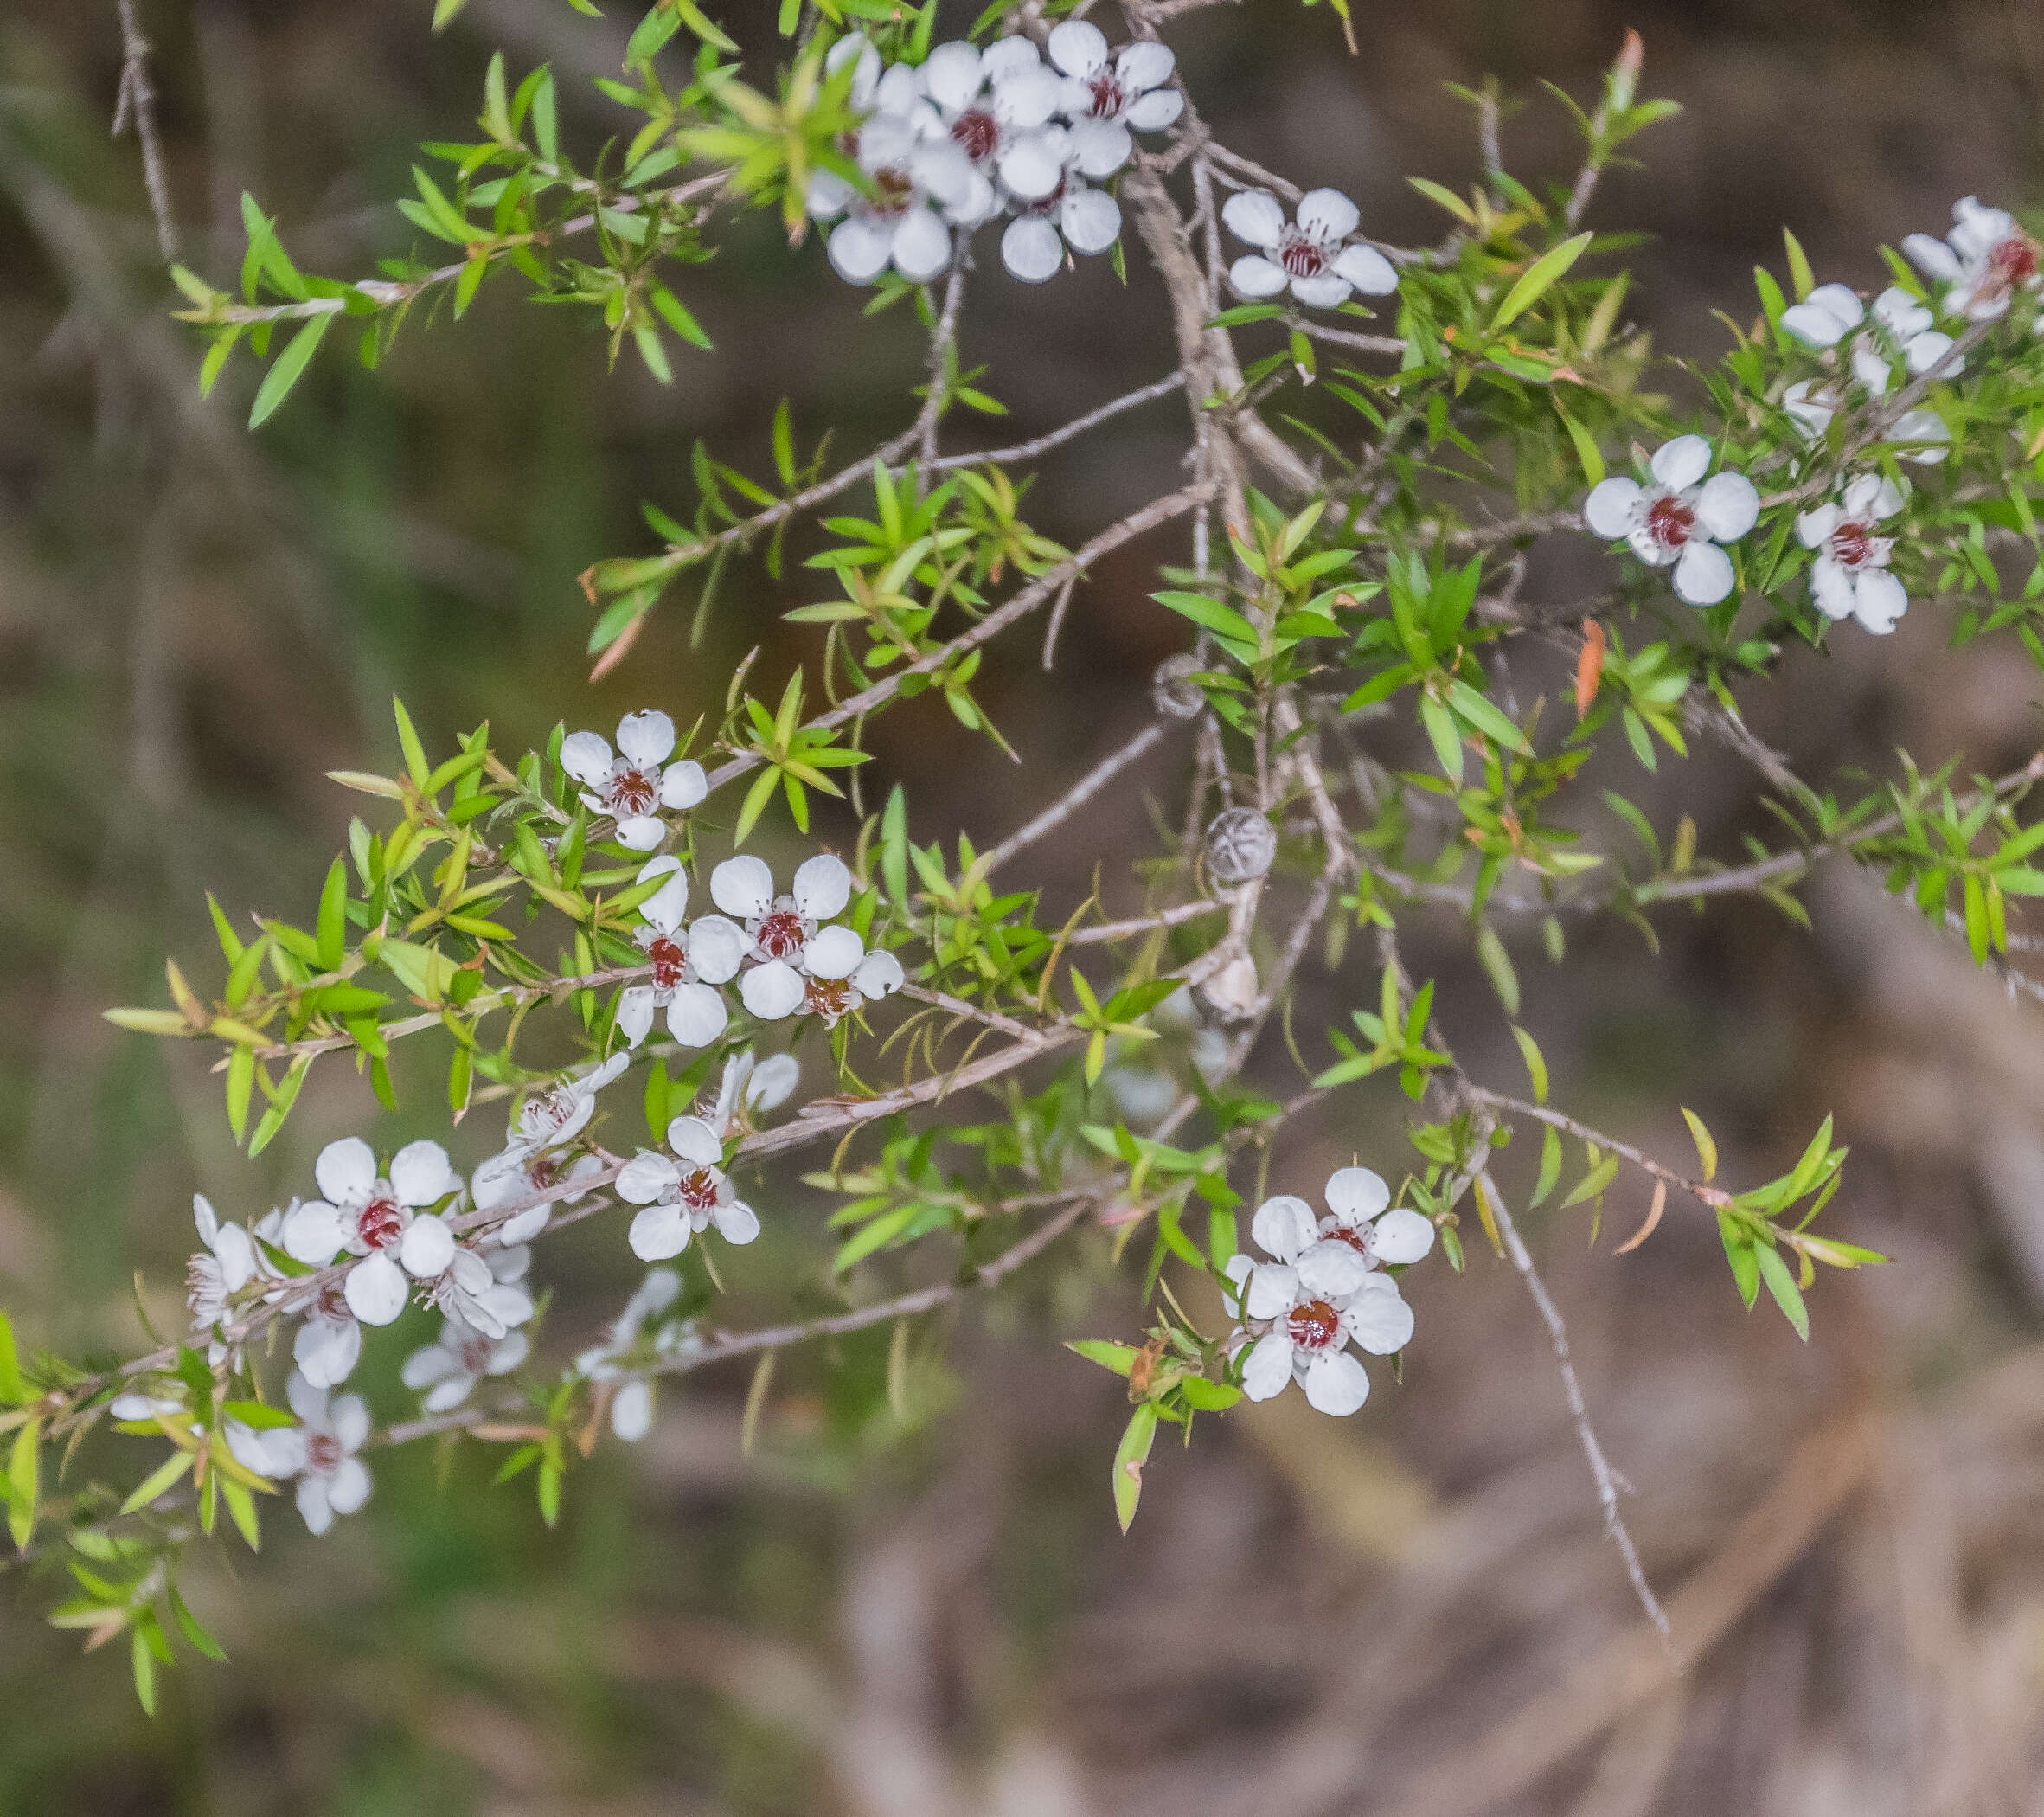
(972, 134)
(1986, 263)
(1323, 1289)
(1680, 519)
(1897, 335)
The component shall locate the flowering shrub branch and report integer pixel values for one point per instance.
(1376, 438)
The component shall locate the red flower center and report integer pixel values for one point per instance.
(780, 934)
(380, 1222)
(2014, 261)
(668, 962)
(977, 132)
(892, 191)
(1314, 1326)
(324, 1452)
(633, 791)
(698, 1190)
(540, 1168)
(1669, 522)
(828, 997)
(476, 1352)
(1109, 96)
(1353, 1235)
(1301, 254)
(1852, 544)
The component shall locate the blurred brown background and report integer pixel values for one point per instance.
(1410, 1612)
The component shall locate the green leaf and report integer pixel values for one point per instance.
(1780, 1283)
(1550, 1167)
(1536, 1064)
(1706, 1147)
(179, 1464)
(1130, 1456)
(333, 916)
(1545, 272)
(1594, 1182)
(13, 1390)
(24, 1479)
(194, 1630)
(1120, 1357)
(287, 369)
(1739, 1251)
(145, 1671)
(1800, 274)
(1208, 1396)
(893, 847)
(1497, 967)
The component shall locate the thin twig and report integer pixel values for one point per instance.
(1074, 798)
(134, 107)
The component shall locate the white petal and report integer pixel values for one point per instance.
(1336, 1383)
(528, 1225)
(1327, 215)
(314, 1233)
(1091, 219)
(1077, 48)
(823, 886)
(682, 785)
(635, 1023)
(1887, 499)
(858, 249)
(1728, 506)
(510, 1352)
(879, 975)
(1879, 601)
(1099, 148)
(697, 1014)
(206, 1218)
(695, 1141)
(377, 1290)
(1831, 588)
(645, 1177)
(737, 1223)
(632, 1411)
(1009, 60)
(828, 194)
(1255, 277)
(1154, 112)
(1283, 1226)
(772, 991)
(1870, 369)
(1900, 313)
(1813, 527)
(1145, 64)
(1402, 1236)
(717, 947)
(772, 1082)
(326, 1351)
(1031, 250)
(835, 953)
(312, 1505)
(1612, 507)
(1813, 324)
(307, 1401)
(1332, 1269)
(1355, 1193)
(349, 1488)
(449, 1392)
(921, 245)
(1032, 167)
(1650, 547)
(236, 1252)
(426, 1247)
(1680, 464)
(1255, 215)
(646, 738)
(1925, 428)
(1274, 1290)
(421, 1174)
(586, 756)
(640, 832)
(1326, 292)
(425, 1367)
(742, 887)
(1927, 350)
(1368, 270)
(951, 74)
(1807, 409)
(1703, 574)
(1932, 255)
(349, 1415)
(1268, 1369)
(346, 1171)
(658, 1232)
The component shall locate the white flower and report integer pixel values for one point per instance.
(1677, 521)
(684, 1198)
(535, 1157)
(1986, 262)
(631, 787)
(1067, 213)
(320, 1451)
(1356, 1199)
(381, 1219)
(632, 1405)
(328, 1344)
(631, 1411)
(920, 179)
(695, 1010)
(1105, 94)
(752, 1085)
(220, 1270)
(798, 963)
(1918, 435)
(996, 106)
(449, 1369)
(1300, 1312)
(1850, 577)
(1311, 255)
(481, 1290)
(1898, 323)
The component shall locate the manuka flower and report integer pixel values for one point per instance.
(1986, 262)
(918, 184)
(682, 1194)
(320, 1451)
(1897, 324)
(1850, 577)
(1310, 255)
(994, 105)
(696, 1009)
(1356, 1198)
(631, 1403)
(1068, 213)
(448, 1369)
(1107, 94)
(381, 1217)
(481, 1288)
(536, 1157)
(221, 1269)
(796, 962)
(632, 786)
(1678, 521)
(1918, 435)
